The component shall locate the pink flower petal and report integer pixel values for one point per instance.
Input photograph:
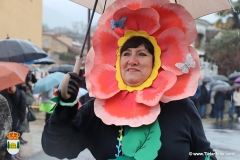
(132, 4)
(104, 83)
(174, 49)
(88, 67)
(105, 45)
(174, 15)
(186, 84)
(146, 19)
(152, 95)
(121, 109)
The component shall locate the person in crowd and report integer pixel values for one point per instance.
(17, 100)
(30, 80)
(23, 128)
(29, 97)
(214, 110)
(5, 125)
(140, 81)
(236, 99)
(231, 105)
(47, 103)
(219, 104)
(195, 97)
(203, 100)
(25, 125)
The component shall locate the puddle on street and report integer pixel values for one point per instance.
(228, 124)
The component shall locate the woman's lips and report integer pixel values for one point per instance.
(132, 70)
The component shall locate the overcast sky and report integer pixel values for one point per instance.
(62, 13)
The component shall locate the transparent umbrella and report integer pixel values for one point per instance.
(48, 82)
(217, 82)
(222, 87)
(207, 79)
(220, 77)
(234, 75)
(197, 8)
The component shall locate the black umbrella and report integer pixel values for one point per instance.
(17, 50)
(234, 75)
(65, 68)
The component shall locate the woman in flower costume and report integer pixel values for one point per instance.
(140, 71)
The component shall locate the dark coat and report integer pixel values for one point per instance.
(197, 94)
(204, 96)
(25, 124)
(219, 99)
(69, 131)
(30, 77)
(229, 95)
(17, 104)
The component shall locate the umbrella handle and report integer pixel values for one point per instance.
(66, 78)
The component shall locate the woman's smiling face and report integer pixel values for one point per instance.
(136, 65)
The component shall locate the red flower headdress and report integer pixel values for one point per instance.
(171, 30)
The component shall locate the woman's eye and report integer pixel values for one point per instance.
(126, 54)
(142, 54)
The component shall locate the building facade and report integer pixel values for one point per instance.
(206, 32)
(57, 45)
(21, 19)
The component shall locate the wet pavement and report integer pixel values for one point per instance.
(33, 137)
(223, 135)
(33, 149)
(227, 123)
(225, 138)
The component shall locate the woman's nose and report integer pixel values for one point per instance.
(133, 60)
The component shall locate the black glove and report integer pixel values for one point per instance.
(74, 84)
(67, 113)
(73, 87)
(81, 72)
